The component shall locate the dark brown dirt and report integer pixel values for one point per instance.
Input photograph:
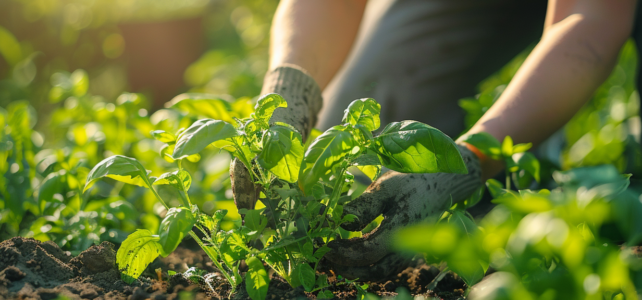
(31, 269)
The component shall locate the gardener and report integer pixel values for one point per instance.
(417, 58)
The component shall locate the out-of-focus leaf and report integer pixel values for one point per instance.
(203, 105)
(485, 143)
(121, 168)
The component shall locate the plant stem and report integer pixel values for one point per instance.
(213, 258)
(507, 179)
(158, 197)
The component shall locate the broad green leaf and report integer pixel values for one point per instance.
(265, 107)
(282, 152)
(507, 147)
(327, 152)
(178, 179)
(136, 252)
(414, 147)
(177, 223)
(163, 136)
(233, 247)
(527, 162)
(256, 279)
(254, 220)
(363, 135)
(306, 276)
(365, 112)
(203, 105)
(201, 134)
(121, 168)
(307, 250)
(485, 143)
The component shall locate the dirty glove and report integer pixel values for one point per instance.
(303, 96)
(403, 199)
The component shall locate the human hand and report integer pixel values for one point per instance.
(303, 97)
(403, 199)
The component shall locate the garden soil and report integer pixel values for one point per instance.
(31, 269)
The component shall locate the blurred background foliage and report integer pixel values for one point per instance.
(605, 131)
(63, 68)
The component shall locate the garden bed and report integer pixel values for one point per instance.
(30, 269)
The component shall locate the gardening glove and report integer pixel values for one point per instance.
(403, 199)
(303, 97)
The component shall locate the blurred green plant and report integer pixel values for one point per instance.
(559, 244)
(605, 131)
(41, 186)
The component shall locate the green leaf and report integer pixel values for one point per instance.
(528, 163)
(179, 179)
(282, 152)
(519, 148)
(177, 223)
(495, 188)
(365, 112)
(136, 252)
(233, 247)
(463, 222)
(321, 252)
(256, 279)
(51, 185)
(327, 152)
(265, 107)
(121, 168)
(200, 135)
(306, 276)
(485, 143)
(203, 105)
(213, 223)
(474, 198)
(369, 165)
(307, 250)
(163, 136)
(414, 147)
(507, 147)
(254, 220)
(466, 263)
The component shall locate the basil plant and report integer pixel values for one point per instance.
(302, 187)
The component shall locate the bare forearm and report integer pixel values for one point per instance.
(315, 35)
(573, 58)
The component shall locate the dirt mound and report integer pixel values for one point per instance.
(30, 269)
